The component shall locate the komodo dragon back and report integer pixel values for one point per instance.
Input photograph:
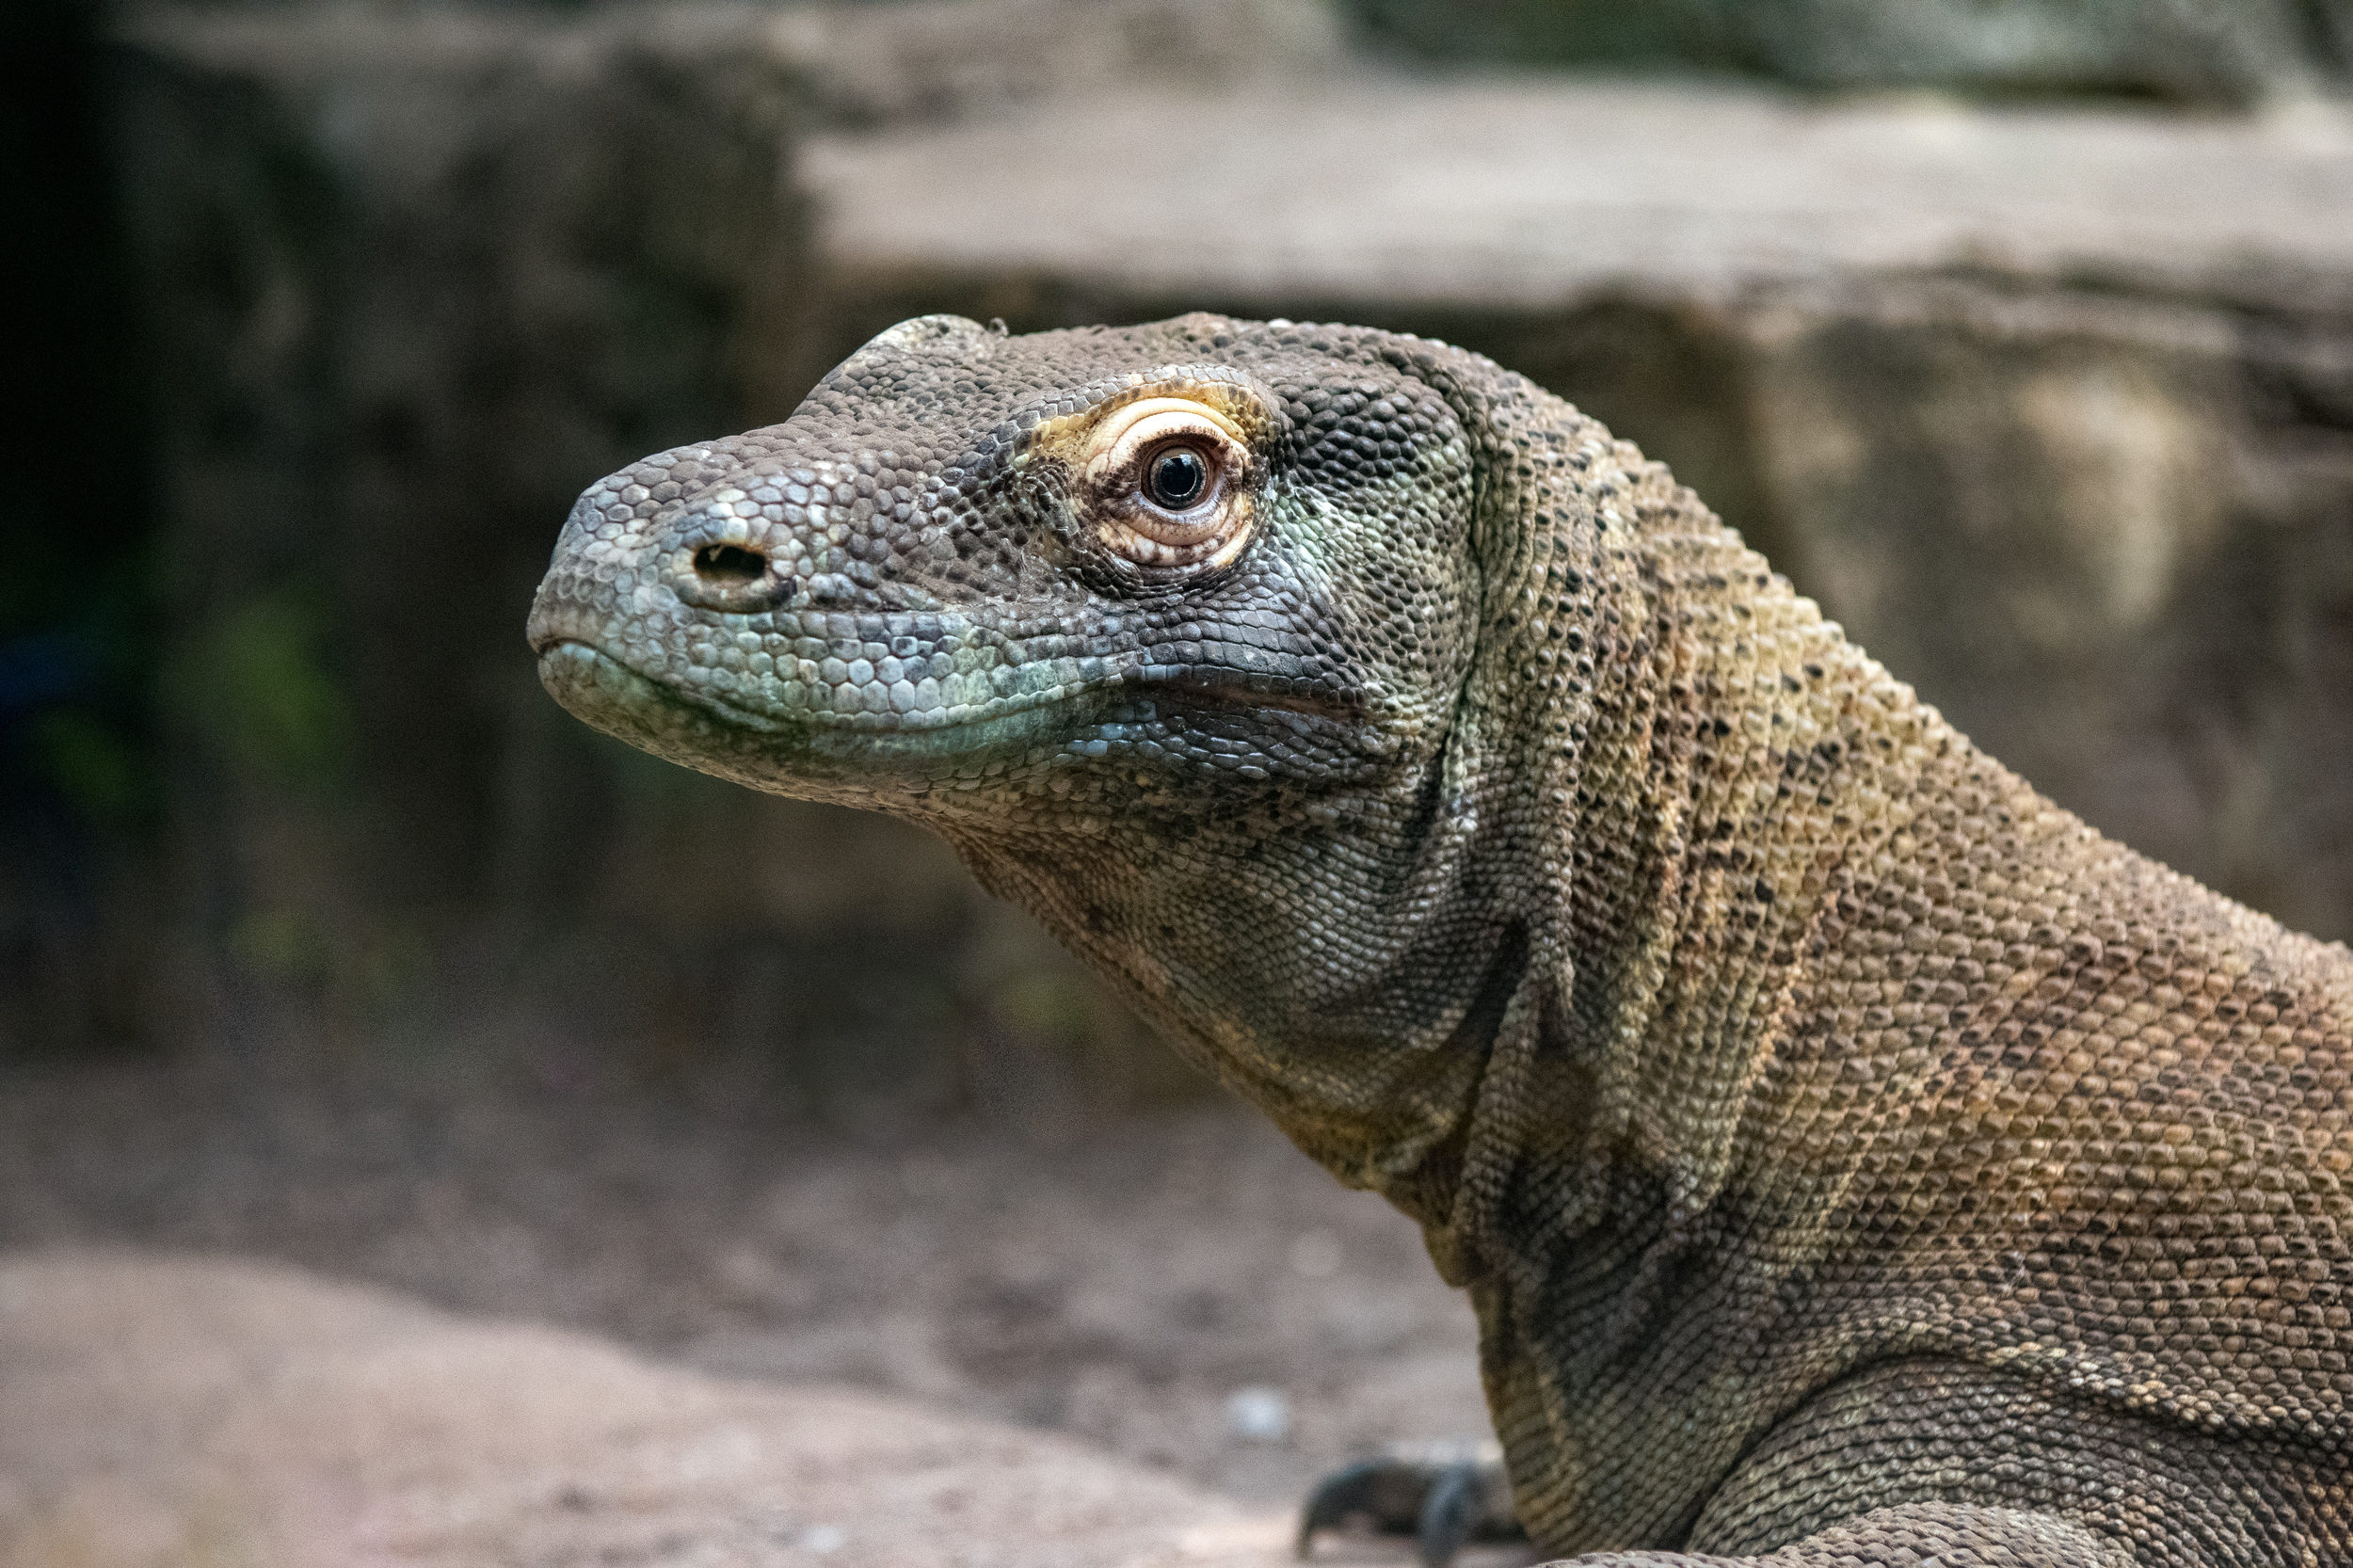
(1852, 1156)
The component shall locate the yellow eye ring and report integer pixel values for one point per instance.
(1167, 484)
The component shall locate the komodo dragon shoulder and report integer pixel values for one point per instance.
(1852, 1158)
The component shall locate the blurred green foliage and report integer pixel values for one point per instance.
(106, 776)
(286, 944)
(256, 689)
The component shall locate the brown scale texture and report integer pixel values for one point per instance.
(1853, 1158)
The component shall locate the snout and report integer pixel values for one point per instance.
(758, 602)
(637, 577)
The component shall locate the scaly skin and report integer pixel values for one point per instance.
(1853, 1157)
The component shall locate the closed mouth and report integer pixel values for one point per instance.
(554, 651)
(1179, 681)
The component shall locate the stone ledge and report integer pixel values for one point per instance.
(1534, 195)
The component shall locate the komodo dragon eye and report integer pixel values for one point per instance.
(1175, 478)
(1166, 484)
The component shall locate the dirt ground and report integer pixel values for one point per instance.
(271, 1419)
(1182, 1294)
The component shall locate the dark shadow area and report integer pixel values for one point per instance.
(82, 791)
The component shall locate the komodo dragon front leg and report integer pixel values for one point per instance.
(1442, 1495)
(1851, 1156)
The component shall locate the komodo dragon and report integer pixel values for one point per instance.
(1852, 1158)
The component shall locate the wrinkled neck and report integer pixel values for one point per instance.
(1341, 968)
(1704, 758)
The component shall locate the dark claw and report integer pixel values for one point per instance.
(1443, 1499)
(1453, 1509)
(1384, 1491)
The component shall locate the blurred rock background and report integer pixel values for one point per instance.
(2020, 334)
(2206, 53)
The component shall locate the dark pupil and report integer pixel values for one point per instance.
(1177, 479)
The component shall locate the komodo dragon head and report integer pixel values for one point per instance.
(1278, 670)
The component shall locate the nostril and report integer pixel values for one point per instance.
(729, 565)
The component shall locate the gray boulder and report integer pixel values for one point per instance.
(410, 282)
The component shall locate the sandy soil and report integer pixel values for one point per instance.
(271, 1419)
(1183, 1298)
